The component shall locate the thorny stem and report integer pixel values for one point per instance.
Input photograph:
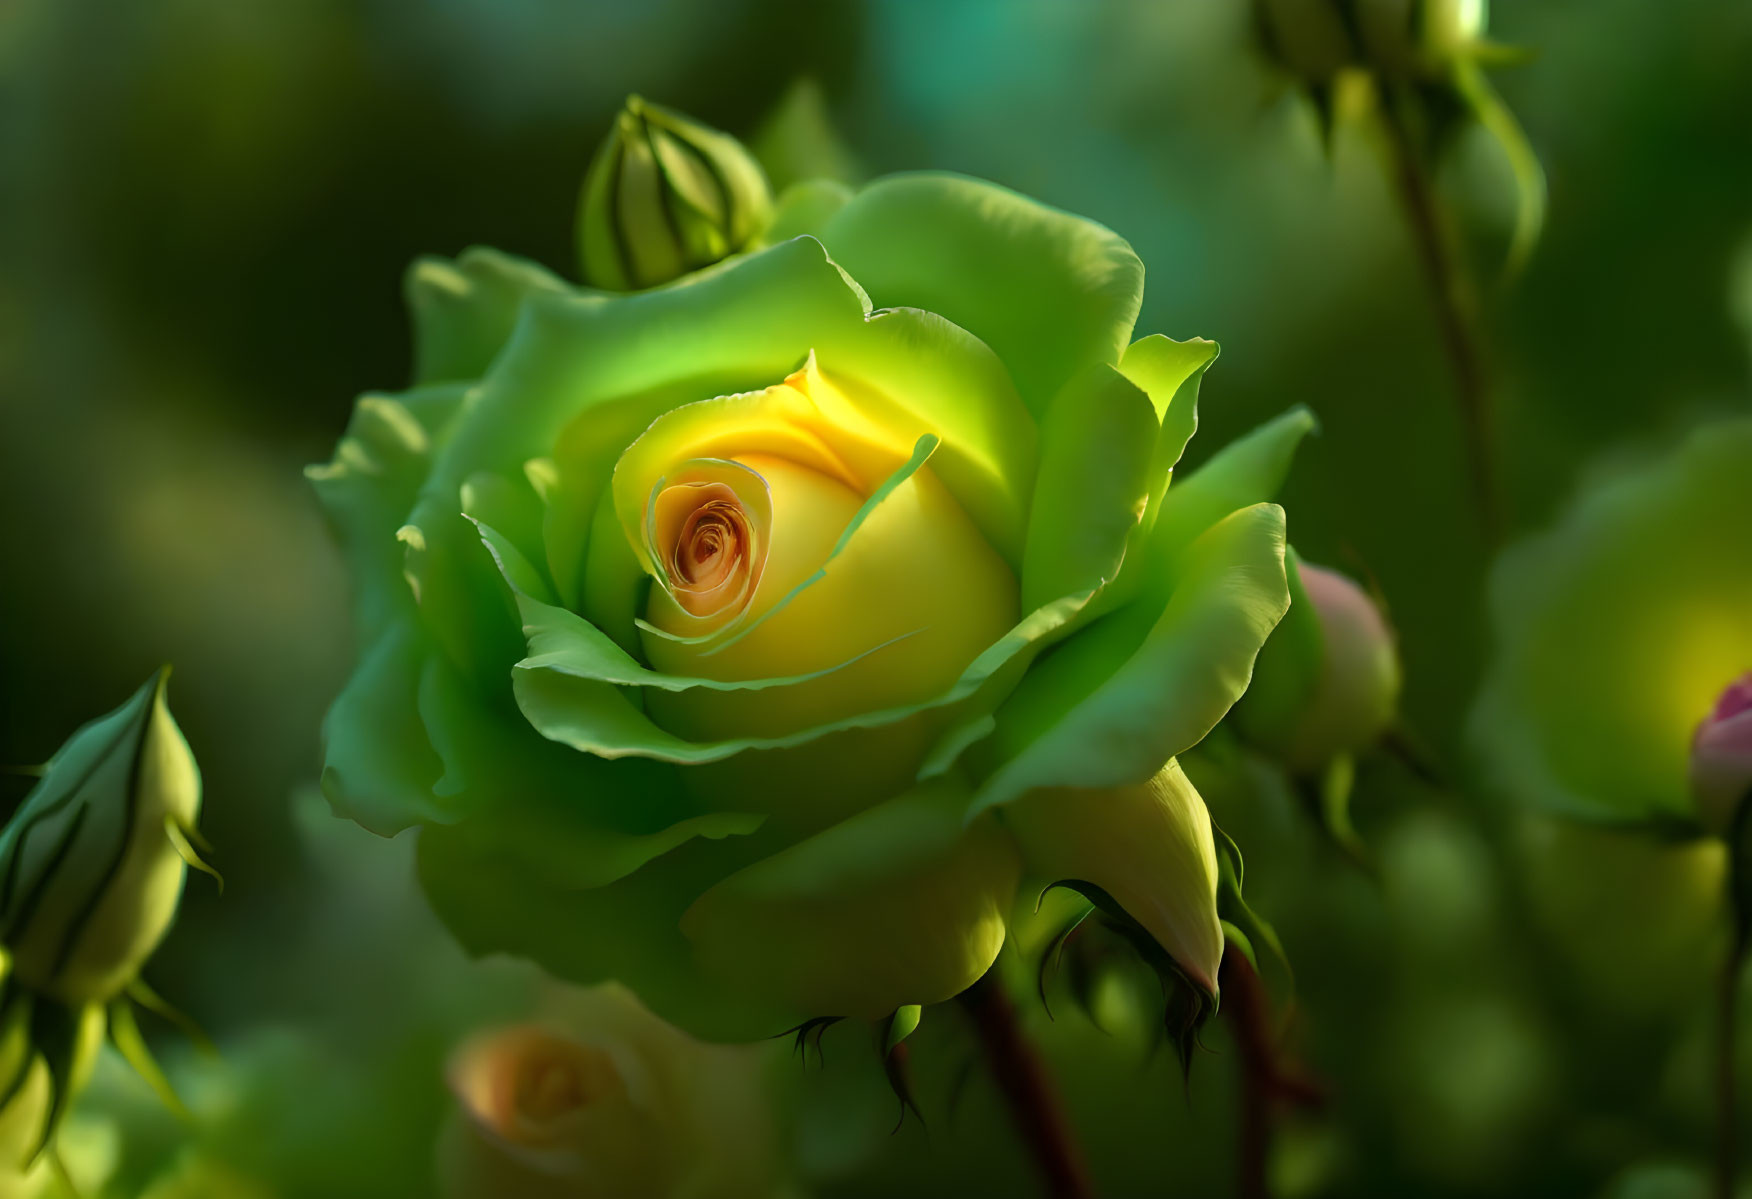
(1265, 1082)
(1451, 296)
(1035, 1107)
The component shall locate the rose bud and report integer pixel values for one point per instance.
(603, 1098)
(91, 870)
(1417, 39)
(1721, 756)
(666, 195)
(1315, 39)
(92, 864)
(1327, 683)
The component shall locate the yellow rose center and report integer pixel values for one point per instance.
(893, 619)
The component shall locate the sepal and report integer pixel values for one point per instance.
(1186, 1004)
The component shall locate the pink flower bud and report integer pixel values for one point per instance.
(1721, 756)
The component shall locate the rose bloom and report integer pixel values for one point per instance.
(750, 637)
(602, 1098)
(1624, 635)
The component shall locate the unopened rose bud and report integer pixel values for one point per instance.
(666, 195)
(1721, 756)
(1408, 39)
(603, 1098)
(1417, 38)
(1327, 683)
(92, 864)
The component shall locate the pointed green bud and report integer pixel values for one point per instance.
(92, 863)
(1405, 39)
(1417, 38)
(666, 195)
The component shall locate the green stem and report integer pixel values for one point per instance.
(1451, 297)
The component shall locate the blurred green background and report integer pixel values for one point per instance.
(207, 207)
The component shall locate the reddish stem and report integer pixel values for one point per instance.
(1452, 300)
(1266, 1083)
(1035, 1107)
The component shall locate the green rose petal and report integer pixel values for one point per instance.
(1099, 440)
(564, 642)
(370, 486)
(1148, 846)
(378, 766)
(1100, 714)
(561, 814)
(805, 207)
(602, 719)
(900, 904)
(1246, 471)
(611, 364)
(921, 374)
(514, 511)
(625, 360)
(464, 310)
(1050, 292)
(628, 931)
(1169, 372)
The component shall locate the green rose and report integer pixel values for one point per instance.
(1620, 634)
(723, 637)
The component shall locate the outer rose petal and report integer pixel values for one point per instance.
(900, 904)
(1050, 292)
(463, 311)
(627, 931)
(1114, 704)
(1149, 846)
